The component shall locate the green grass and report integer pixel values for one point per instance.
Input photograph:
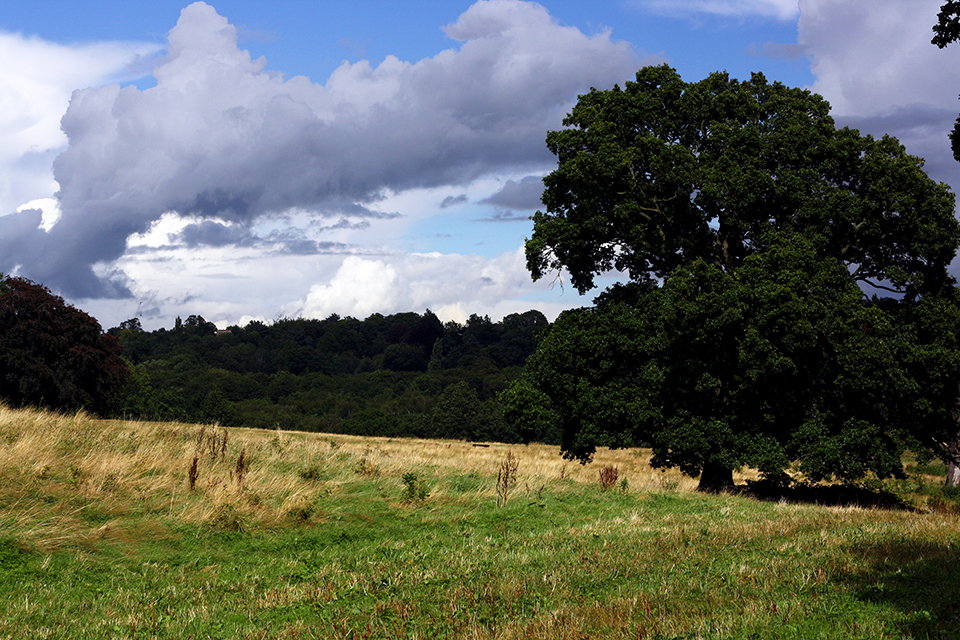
(322, 547)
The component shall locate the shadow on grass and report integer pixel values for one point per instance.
(920, 578)
(829, 495)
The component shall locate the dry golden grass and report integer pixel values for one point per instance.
(69, 477)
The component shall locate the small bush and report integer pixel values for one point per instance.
(414, 487)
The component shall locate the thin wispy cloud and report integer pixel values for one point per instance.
(778, 51)
(452, 201)
(501, 215)
(777, 9)
(523, 194)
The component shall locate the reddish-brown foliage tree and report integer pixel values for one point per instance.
(54, 355)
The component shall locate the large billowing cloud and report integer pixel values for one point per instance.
(224, 140)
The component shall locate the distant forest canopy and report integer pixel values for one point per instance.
(404, 374)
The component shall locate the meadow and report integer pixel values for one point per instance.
(114, 529)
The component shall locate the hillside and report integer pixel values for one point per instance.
(299, 535)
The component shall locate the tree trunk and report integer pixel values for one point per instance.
(715, 479)
(953, 465)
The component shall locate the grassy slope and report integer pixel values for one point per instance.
(100, 536)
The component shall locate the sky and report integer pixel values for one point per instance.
(244, 159)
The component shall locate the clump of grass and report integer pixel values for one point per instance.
(193, 473)
(240, 471)
(609, 475)
(938, 504)
(933, 468)
(110, 482)
(365, 467)
(299, 508)
(312, 472)
(226, 517)
(506, 477)
(535, 492)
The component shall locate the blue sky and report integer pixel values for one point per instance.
(163, 160)
(312, 37)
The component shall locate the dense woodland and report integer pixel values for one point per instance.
(405, 374)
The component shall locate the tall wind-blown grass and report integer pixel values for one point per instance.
(69, 477)
(113, 529)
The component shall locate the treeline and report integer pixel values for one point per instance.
(405, 374)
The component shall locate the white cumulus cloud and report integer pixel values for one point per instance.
(446, 283)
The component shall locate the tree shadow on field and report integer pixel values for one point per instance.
(839, 495)
(918, 577)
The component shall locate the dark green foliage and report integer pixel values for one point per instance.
(531, 413)
(405, 357)
(661, 173)
(947, 31)
(381, 376)
(745, 221)
(53, 355)
(933, 328)
(460, 413)
(414, 487)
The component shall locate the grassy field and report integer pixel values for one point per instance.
(287, 535)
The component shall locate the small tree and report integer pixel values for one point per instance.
(53, 355)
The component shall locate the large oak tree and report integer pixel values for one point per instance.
(746, 224)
